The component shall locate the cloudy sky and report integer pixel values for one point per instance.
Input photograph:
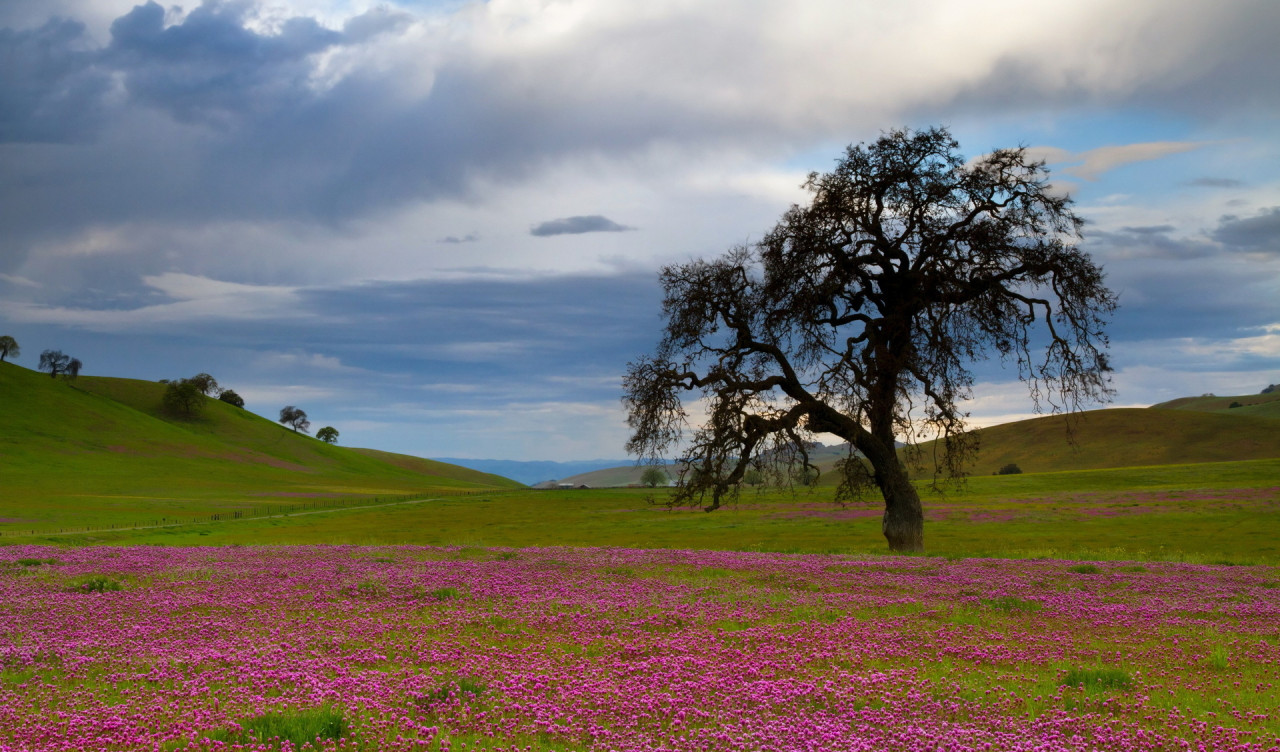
(435, 224)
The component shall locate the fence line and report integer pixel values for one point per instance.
(271, 510)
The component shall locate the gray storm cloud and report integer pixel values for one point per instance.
(213, 115)
(1257, 233)
(577, 226)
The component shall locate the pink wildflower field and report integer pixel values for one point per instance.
(418, 648)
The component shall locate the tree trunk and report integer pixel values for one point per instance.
(903, 521)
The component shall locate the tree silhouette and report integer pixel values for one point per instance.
(857, 316)
(8, 346)
(55, 362)
(328, 435)
(207, 384)
(294, 418)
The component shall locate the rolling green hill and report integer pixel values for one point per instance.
(1257, 405)
(1125, 437)
(100, 448)
(1196, 429)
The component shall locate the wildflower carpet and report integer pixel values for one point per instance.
(453, 648)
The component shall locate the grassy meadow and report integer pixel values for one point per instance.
(1224, 512)
(99, 456)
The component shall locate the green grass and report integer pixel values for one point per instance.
(1123, 437)
(1011, 604)
(298, 727)
(1258, 405)
(97, 451)
(1098, 679)
(1208, 513)
(96, 583)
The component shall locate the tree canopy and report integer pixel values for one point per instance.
(328, 435)
(295, 418)
(8, 346)
(207, 384)
(183, 398)
(654, 476)
(859, 314)
(58, 363)
(231, 398)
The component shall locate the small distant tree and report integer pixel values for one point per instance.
(205, 383)
(183, 398)
(55, 362)
(295, 418)
(328, 435)
(654, 477)
(1009, 469)
(73, 368)
(806, 476)
(230, 397)
(1270, 387)
(8, 346)
(753, 477)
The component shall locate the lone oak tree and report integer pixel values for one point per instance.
(858, 315)
(295, 418)
(9, 346)
(56, 362)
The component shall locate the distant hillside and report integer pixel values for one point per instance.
(629, 474)
(438, 468)
(108, 439)
(1197, 430)
(1126, 437)
(1258, 405)
(531, 472)
(612, 477)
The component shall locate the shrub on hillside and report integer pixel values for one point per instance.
(231, 398)
(1009, 469)
(182, 399)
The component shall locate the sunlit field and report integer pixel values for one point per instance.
(420, 648)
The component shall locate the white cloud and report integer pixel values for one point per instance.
(1094, 162)
(1091, 164)
(1144, 385)
(1262, 346)
(296, 361)
(193, 299)
(22, 281)
(257, 395)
